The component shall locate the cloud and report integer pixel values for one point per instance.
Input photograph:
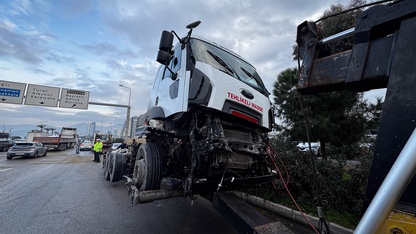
(74, 8)
(19, 47)
(97, 45)
(107, 49)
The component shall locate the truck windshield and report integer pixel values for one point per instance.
(226, 62)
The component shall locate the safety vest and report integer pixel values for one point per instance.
(98, 147)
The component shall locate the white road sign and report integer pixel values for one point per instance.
(42, 95)
(76, 99)
(12, 92)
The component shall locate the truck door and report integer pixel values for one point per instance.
(169, 92)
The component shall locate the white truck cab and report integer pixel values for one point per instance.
(213, 114)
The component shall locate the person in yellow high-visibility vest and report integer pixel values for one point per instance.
(98, 149)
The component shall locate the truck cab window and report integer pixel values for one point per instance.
(227, 62)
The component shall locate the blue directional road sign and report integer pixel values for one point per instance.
(12, 92)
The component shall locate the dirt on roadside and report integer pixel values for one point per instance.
(79, 159)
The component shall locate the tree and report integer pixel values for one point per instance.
(50, 129)
(41, 126)
(373, 114)
(339, 23)
(5, 133)
(336, 117)
(16, 137)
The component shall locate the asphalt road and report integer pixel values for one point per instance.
(67, 193)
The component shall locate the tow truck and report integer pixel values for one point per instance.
(208, 135)
(106, 139)
(382, 56)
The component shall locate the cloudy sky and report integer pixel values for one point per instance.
(96, 45)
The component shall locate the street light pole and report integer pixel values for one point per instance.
(128, 112)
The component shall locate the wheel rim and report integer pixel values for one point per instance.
(107, 165)
(141, 171)
(110, 165)
(116, 168)
(103, 160)
(147, 169)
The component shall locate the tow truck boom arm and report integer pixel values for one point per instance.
(382, 56)
(368, 64)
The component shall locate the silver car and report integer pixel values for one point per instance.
(86, 145)
(27, 149)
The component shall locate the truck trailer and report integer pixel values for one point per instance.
(66, 139)
(35, 133)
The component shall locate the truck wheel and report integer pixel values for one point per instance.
(107, 167)
(104, 156)
(105, 164)
(116, 167)
(147, 170)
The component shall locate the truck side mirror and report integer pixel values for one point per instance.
(166, 41)
(165, 46)
(163, 57)
(193, 25)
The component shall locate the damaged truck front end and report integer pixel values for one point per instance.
(206, 125)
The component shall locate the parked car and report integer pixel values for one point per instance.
(115, 145)
(27, 149)
(19, 140)
(5, 145)
(86, 145)
(315, 147)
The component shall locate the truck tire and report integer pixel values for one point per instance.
(105, 164)
(103, 158)
(116, 171)
(147, 169)
(107, 167)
